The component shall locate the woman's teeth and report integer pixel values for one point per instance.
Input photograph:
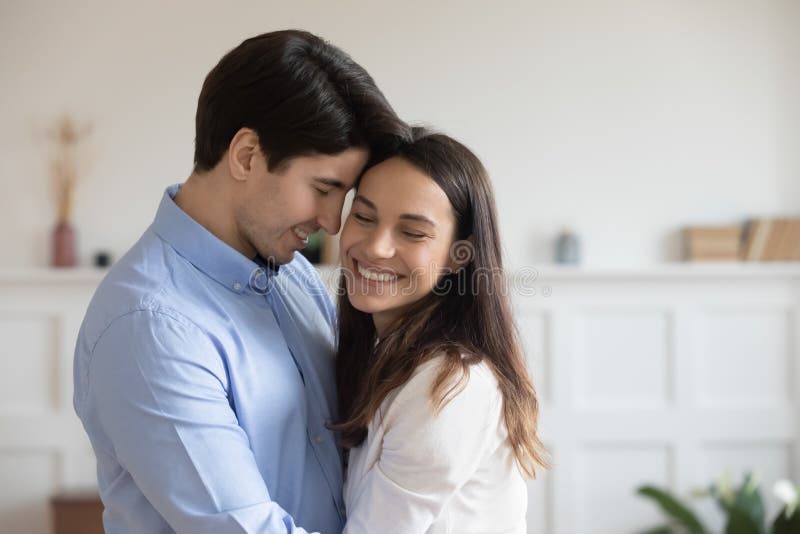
(378, 277)
(301, 234)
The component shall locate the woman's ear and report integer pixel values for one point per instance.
(462, 252)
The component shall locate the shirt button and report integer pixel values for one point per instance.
(237, 286)
(259, 281)
(319, 438)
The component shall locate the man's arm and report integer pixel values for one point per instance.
(159, 388)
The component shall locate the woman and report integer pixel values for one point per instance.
(436, 406)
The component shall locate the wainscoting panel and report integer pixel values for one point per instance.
(669, 376)
(622, 359)
(29, 477)
(730, 375)
(43, 450)
(27, 385)
(605, 474)
(666, 375)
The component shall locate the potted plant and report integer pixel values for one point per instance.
(743, 508)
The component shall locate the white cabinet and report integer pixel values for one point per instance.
(665, 375)
(668, 375)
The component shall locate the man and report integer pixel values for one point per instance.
(203, 368)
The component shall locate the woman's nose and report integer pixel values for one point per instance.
(380, 245)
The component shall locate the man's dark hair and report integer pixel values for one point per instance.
(300, 94)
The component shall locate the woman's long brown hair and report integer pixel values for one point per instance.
(467, 317)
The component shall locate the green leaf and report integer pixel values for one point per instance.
(741, 523)
(673, 508)
(748, 502)
(782, 525)
(658, 530)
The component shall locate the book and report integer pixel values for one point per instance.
(758, 232)
(712, 243)
(773, 241)
(789, 241)
(796, 248)
(776, 239)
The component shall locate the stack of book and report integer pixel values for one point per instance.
(771, 240)
(713, 243)
(775, 239)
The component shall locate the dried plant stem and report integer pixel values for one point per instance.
(63, 167)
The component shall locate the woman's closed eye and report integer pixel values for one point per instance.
(414, 235)
(362, 218)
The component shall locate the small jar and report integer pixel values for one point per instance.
(568, 248)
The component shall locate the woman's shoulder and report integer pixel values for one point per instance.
(478, 375)
(466, 405)
(465, 388)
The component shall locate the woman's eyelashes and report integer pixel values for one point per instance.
(414, 235)
(362, 218)
(408, 233)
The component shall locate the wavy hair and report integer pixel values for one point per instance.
(467, 317)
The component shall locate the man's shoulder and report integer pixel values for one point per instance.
(144, 279)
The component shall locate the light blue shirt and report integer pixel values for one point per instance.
(205, 381)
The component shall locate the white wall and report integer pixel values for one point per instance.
(668, 376)
(626, 119)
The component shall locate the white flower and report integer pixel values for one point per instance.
(725, 488)
(786, 492)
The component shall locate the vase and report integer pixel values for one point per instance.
(568, 248)
(64, 245)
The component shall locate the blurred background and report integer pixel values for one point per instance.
(646, 162)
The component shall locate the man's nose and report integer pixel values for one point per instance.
(331, 219)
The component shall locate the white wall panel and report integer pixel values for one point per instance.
(27, 479)
(534, 334)
(664, 376)
(745, 358)
(605, 478)
(28, 380)
(622, 360)
(668, 377)
(540, 501)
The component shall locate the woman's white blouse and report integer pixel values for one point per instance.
(453, 472)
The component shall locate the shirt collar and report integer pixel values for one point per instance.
(206, 251)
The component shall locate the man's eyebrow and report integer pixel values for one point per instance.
(331, 182)
(410, 216)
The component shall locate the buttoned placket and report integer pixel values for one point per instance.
(319, 436)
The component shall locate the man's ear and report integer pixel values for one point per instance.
(242, 151)
(462, 252)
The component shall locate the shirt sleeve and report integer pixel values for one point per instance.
(159, 389)
(425, 458)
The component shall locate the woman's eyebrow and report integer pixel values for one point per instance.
(409, 216)
(418, 218)
(365, 201)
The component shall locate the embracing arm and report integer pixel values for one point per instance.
(425, 458)
(159, 388)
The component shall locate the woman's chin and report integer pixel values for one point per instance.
(364, 305)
